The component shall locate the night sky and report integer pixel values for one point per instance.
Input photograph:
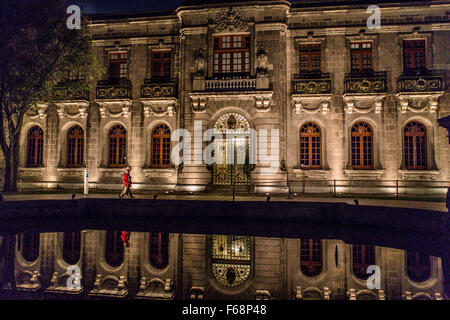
(107, 6)
(112, 6)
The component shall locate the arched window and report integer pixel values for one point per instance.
(114, 248)
(28, 245)
(75, 147)
(35, 147)
(117, 146)
(362, 146)
(160, 146)
(310, 145)
(418, 266)
(415, 146)
(311, 257)
(230, 259)
(71, 247)
(159, 249)
(363, 257)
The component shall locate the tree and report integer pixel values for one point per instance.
(38, 52)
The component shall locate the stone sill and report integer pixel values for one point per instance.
(31, 168)
(66, 172)
(64, 290)
(364, 173)
(155, 295)
(311, 173)
(79, 169)
(112, 169)
(419, 174)
(158, 172)
(109, 293)
(31, 172)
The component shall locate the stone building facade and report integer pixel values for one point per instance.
(354, 106)
(215, 267)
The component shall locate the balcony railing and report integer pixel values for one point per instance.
(365, 81)
(64, 91)
(311, 83)
(159, 88)
(230, 82)
(421, 80)
(114, 89)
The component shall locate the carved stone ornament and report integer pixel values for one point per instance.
(262, 103)
(261, 68)
(363, 104)
(198, 105)
(200, 63)
(417, 104)
(230, 21)
(312, 105)
(155, 109)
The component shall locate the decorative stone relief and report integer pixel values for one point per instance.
(363, 104)
(231, 20)
(262, 103)
(124, 111)
(262, 66)
(58, 283)
(312, 292)
(197, 293)
(230, 275)
(198, 104)
(200, 63)
(418, 103)
(110, 286)
(41, 111)
(311, 105)
(29, 280)
(262, 295)
(159, 110)
(62, 110)
(156, 289)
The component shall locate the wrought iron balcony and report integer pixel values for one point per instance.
(365, 81)
(311, 83)
(65, 91)
(159, 88)
(421, 80)
(230, 82)
(113, 89)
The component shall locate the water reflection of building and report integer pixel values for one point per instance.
(352, 104)
(188, 266)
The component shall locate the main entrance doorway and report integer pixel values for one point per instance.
(232, 150)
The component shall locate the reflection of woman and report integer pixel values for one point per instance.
(125, 238)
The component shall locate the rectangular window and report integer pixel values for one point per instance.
(414, 55)
(161, 65)
(118, 66)
(231, 54)
(361, 56)
(310, 58)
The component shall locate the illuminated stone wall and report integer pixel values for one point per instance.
(271, 104)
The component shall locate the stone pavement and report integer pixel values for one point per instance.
(426, 205)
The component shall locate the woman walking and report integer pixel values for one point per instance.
(126, 184)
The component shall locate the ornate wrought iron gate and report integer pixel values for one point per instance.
(233, 166)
